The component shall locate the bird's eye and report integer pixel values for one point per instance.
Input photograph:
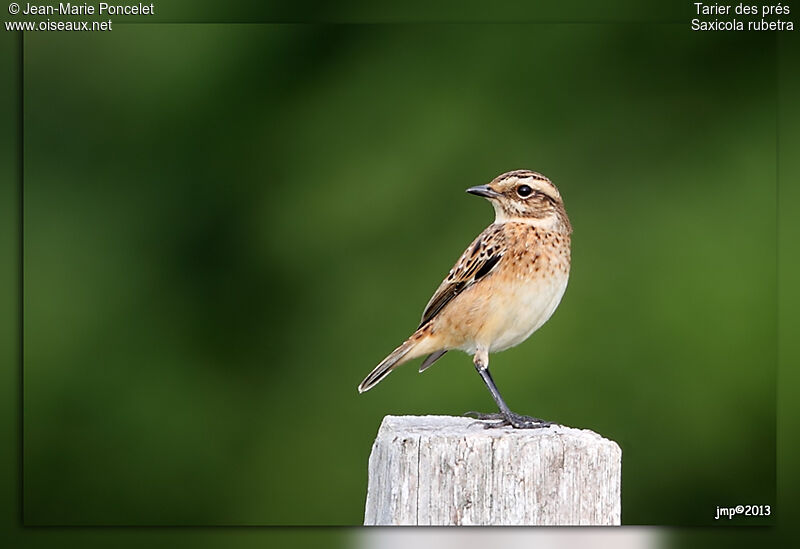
(524, 191)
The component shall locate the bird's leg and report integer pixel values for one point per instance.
(506, 416)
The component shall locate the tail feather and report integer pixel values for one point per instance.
(415, 346)
(431, 358)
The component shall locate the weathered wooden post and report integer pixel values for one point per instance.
(442, 470)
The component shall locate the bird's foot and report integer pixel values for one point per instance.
(514, 420)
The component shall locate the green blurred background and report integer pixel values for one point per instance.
(226, 227)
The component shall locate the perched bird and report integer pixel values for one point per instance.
(505, 285)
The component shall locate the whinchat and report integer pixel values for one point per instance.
(505, 285)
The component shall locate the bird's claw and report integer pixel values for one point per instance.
(496, 420)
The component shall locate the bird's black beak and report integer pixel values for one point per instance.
(484, 191)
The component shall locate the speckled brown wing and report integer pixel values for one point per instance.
(477, 261)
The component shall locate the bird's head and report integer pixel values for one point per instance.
(528, 197)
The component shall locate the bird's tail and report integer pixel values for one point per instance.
(415, 346)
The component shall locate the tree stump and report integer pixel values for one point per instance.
(442, 470)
